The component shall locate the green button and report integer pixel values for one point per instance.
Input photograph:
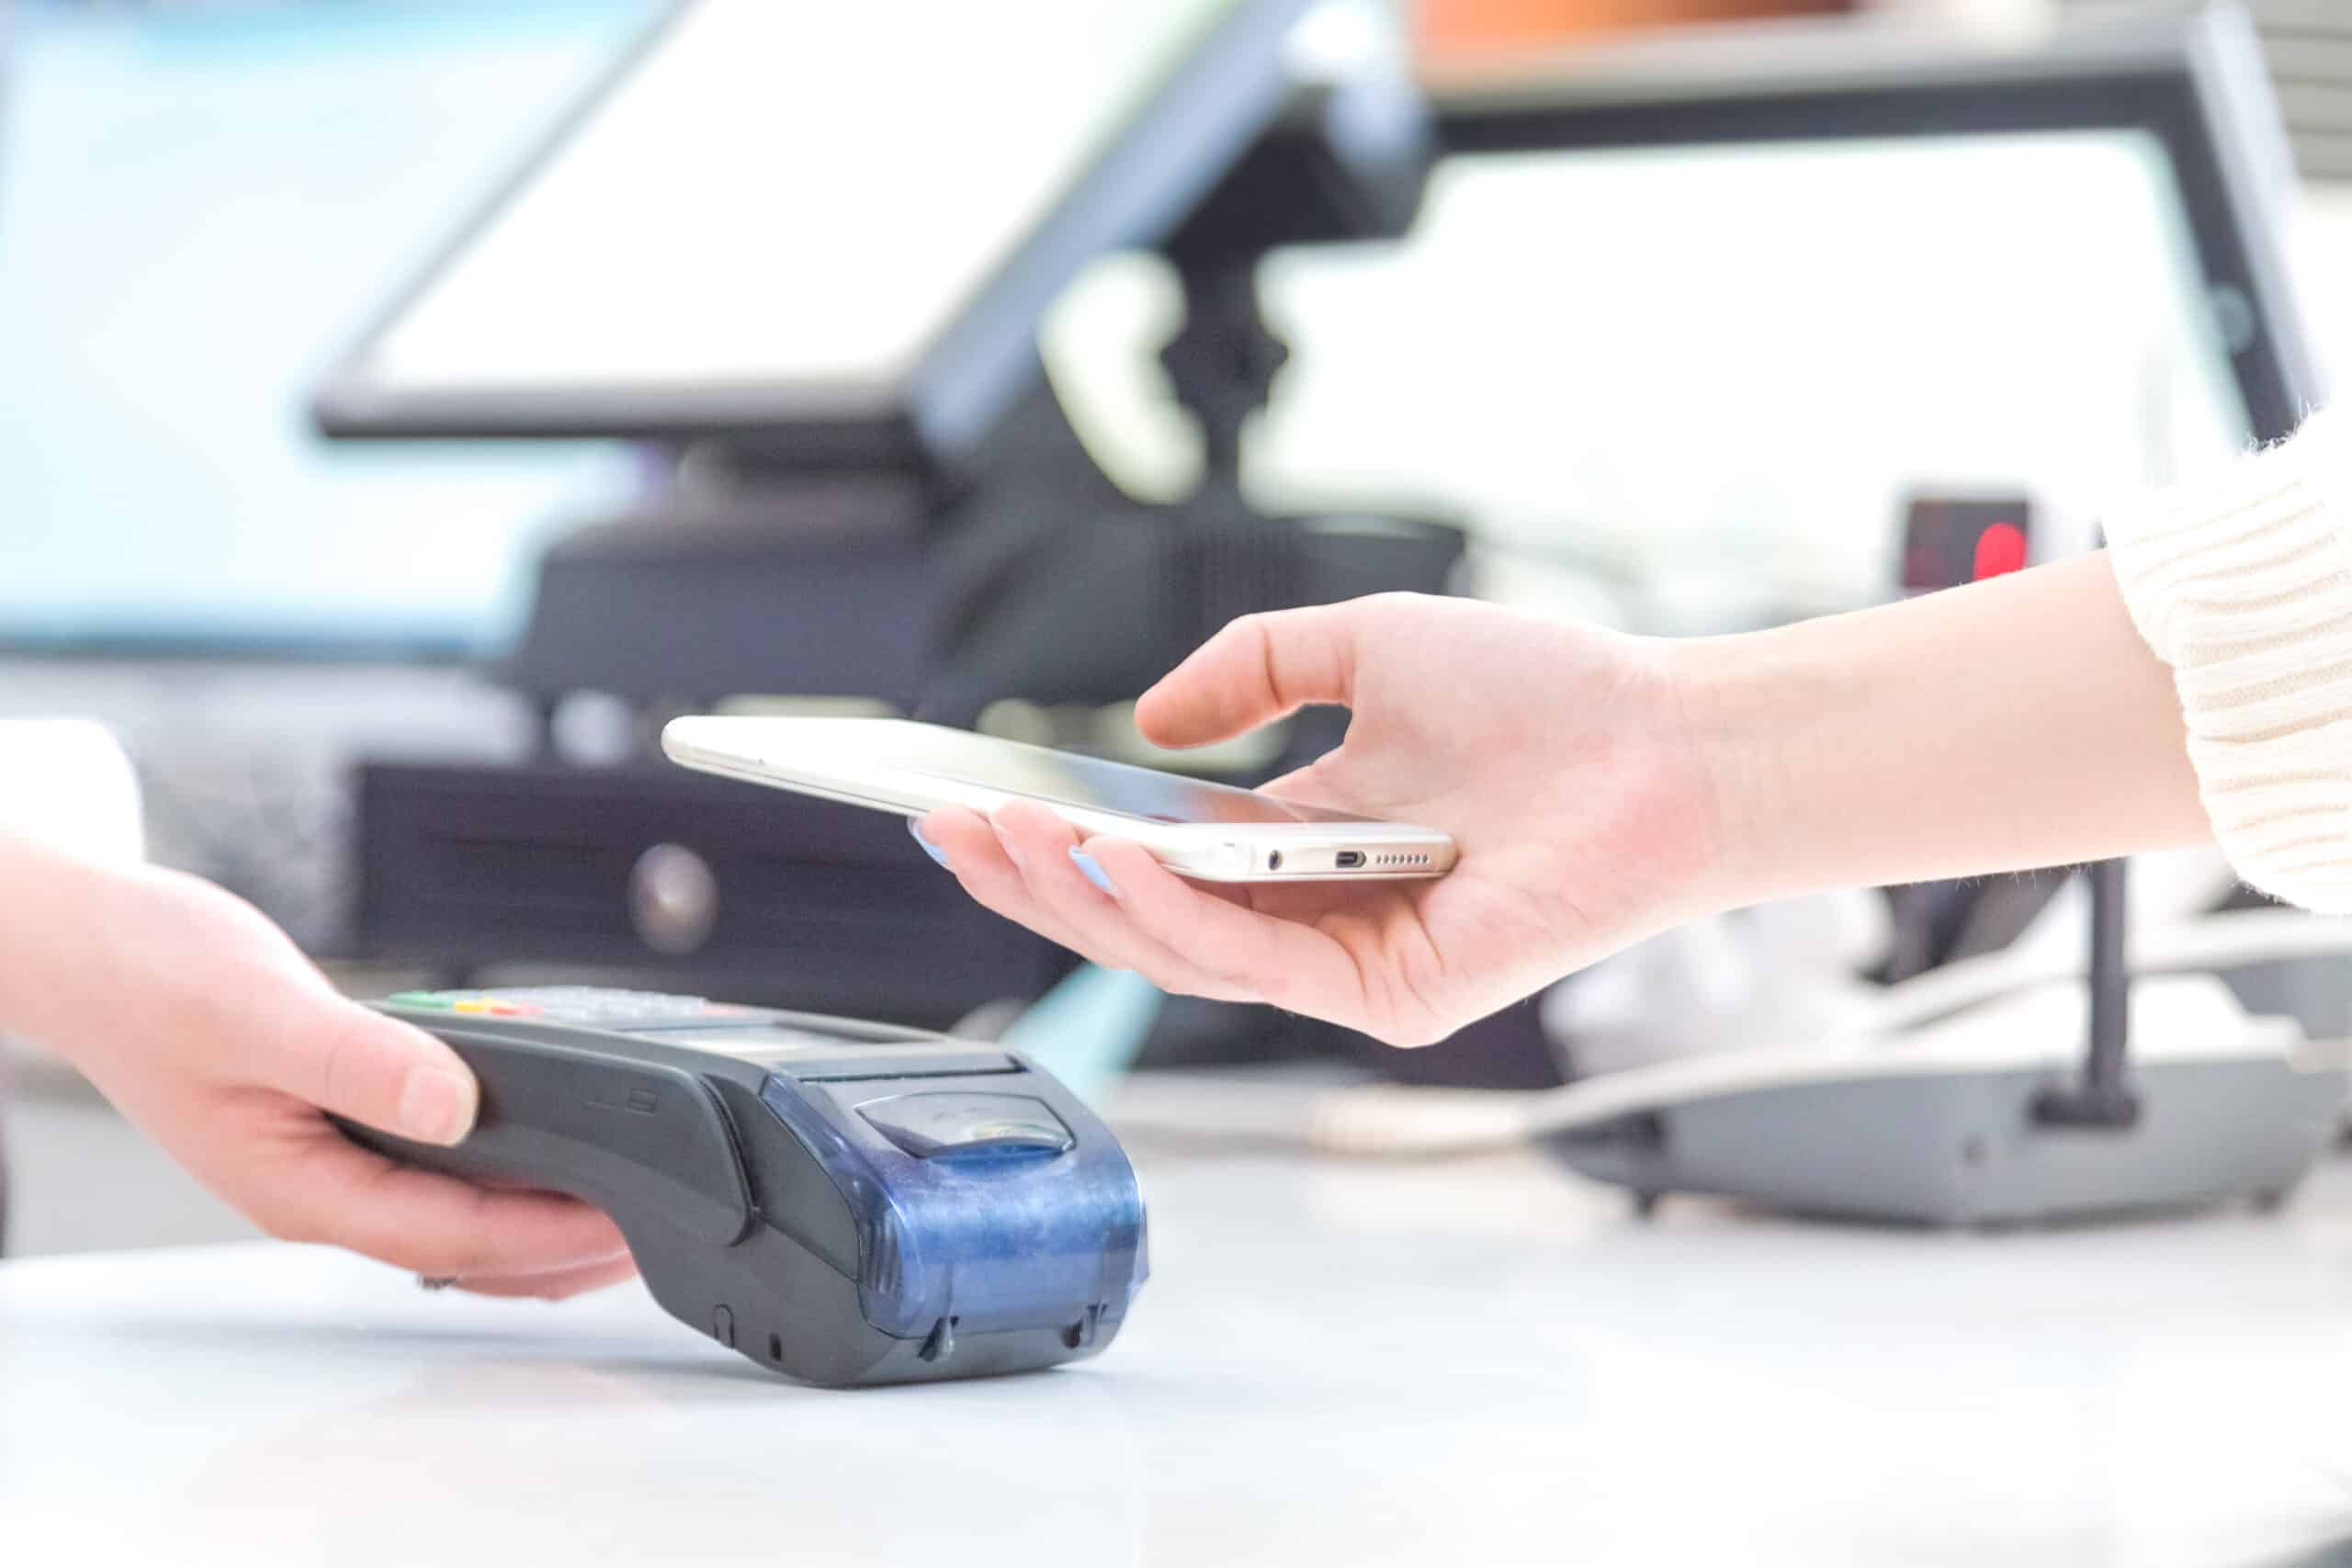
(441, 999)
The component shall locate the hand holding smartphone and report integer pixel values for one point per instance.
(1210, 831)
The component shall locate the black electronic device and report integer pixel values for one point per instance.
(828, 316)
(1951, 539)
(676, 880)
(842, 1201)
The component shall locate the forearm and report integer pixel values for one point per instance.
(94, 954)
(2016, 723)
(53, 930)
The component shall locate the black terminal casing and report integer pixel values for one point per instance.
(773, 1201)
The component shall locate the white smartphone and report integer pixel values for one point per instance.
(1212, 832)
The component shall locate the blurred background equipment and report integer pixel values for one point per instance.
(1269, 302)
(190, 200)
(193, 198)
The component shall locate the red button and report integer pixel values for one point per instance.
(2000, 550)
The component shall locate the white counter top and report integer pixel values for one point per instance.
(1474, 1363)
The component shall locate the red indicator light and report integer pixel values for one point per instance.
(2000, 550)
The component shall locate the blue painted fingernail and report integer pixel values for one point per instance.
(914, 831)
(1093, 871)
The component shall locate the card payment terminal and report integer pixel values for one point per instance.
(846, 1202)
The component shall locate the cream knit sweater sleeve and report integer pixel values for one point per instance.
(2243, 584)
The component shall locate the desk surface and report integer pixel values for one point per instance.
(1465, 1363)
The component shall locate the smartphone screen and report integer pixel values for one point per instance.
(1145, 793)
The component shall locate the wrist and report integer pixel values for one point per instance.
(1748, 704)
(29, 874)
(2012, 723)
(62, 922)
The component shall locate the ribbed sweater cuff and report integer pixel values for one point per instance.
(2243, 584)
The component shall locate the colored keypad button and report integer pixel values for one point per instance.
(587, 1006)
(479, 1004)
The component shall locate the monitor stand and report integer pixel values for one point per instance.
(1036, 580)
(818, 585)
(1060, 603)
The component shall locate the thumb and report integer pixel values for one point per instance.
(355, 1063)
(1259, 669)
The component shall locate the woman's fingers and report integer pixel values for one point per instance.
(1141, 915)
(1254, 671)
(1283, 962)
(966, 845)
(420, 1220)
(342, 1058)
(1041, 844)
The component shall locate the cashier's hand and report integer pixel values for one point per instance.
(1552, 753)
(200, 1021)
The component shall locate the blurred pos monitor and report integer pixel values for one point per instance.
(2187, 79)
(829, 231)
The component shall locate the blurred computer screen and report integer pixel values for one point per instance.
(1702, 382)
(193, 202)
(785, 201)
(1730, 365)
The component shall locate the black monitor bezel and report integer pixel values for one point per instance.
(1155, 170)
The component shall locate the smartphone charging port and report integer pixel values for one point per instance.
(1349, 860)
